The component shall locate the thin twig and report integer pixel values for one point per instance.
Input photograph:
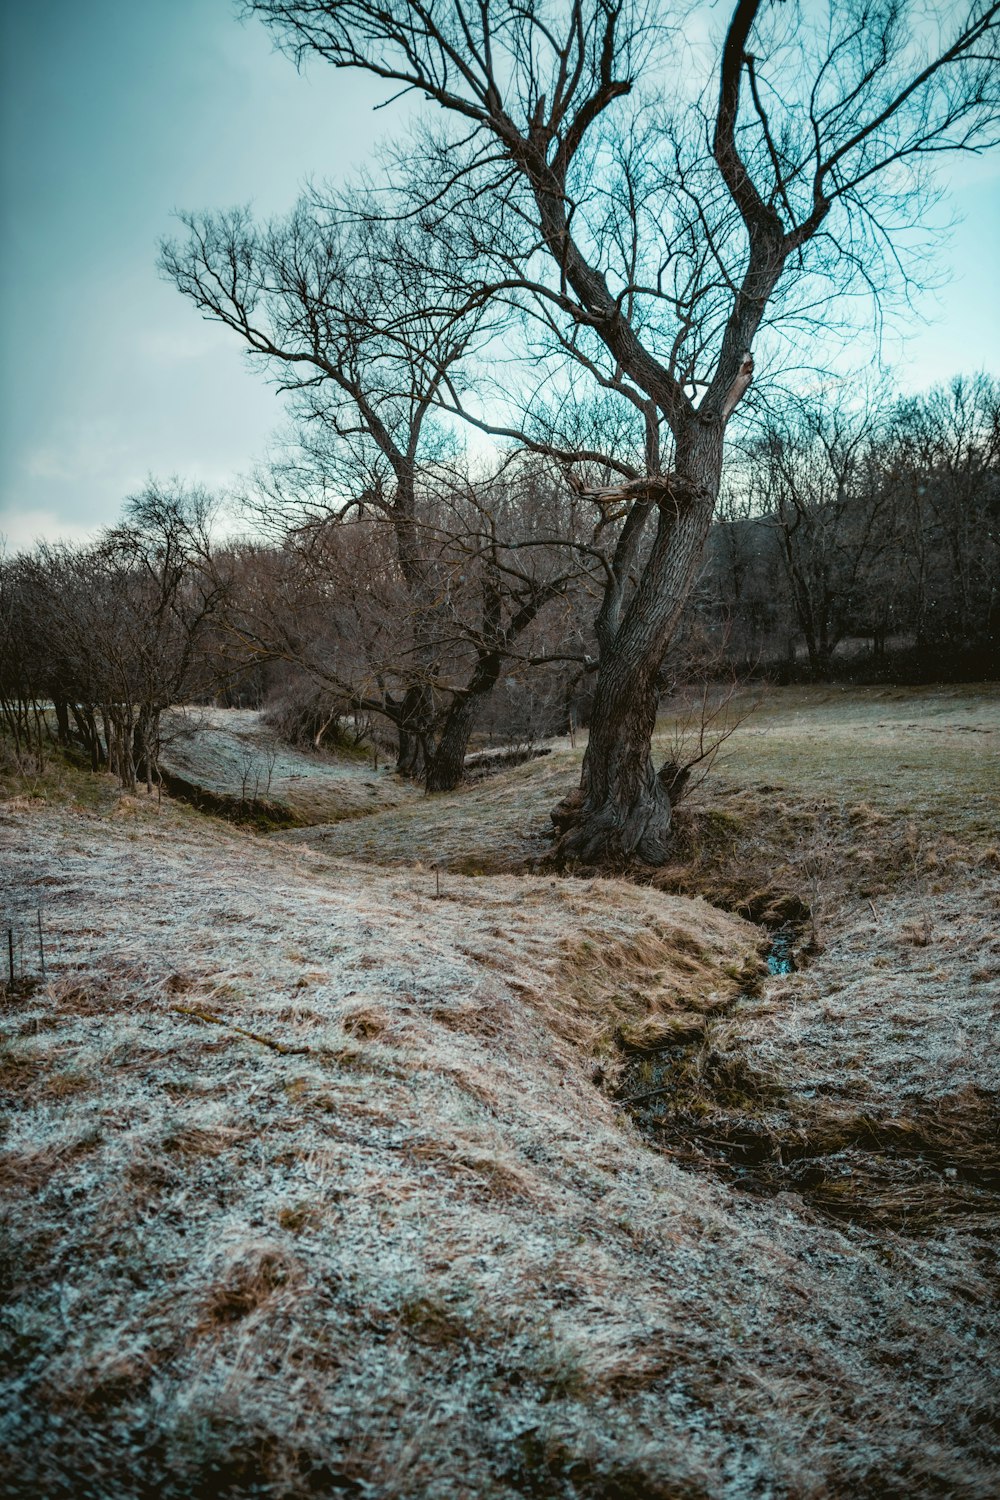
(649, 1094)
(255, 1036)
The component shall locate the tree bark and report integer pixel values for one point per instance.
(144, 744)
(62, 719)
(625, 811)
(446, 767)
(413, 725)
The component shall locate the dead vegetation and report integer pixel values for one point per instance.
(233, 763)
(338, 1198)
(866, 1082)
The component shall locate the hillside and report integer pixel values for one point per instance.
(234, 758)
(318, 1180)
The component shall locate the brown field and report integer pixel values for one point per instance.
(324, 1171)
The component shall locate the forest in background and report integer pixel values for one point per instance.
(852, 542)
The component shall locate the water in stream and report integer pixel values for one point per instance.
(779, 958)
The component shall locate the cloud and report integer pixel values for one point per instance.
(19, 531)
(177, 345)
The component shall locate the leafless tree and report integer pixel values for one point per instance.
(656, 232)
(815, 475)
(22, 676)
(944, 459)
(117, 627)
(177, 590)
(365, 329)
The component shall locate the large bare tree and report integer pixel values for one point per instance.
(364, 327)
(658, 197)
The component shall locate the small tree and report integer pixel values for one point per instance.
(118, 628)
(177, 592)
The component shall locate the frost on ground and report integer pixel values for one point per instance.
(313, 1186)
(902, 1003)
(500, 823)
(867, 1082)
(233, 754)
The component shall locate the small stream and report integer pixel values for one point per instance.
(779, 955)
(701, 1101)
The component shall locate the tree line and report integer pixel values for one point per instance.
(857, 536)
(862, 537)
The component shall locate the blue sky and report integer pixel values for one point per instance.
(115, 113)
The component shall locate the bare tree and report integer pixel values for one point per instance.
(815, 476)
(117, 629)
(365, 329)
(177, 590)
(656, 234)
(23, 688)
(945, 457)
(507, 587)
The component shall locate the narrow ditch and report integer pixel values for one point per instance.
(912, 1169)
(253, 812)
(780, 957)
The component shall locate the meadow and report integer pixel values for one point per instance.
(372, 1155)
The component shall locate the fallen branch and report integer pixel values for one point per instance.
(649, 1094)
(255, 1036)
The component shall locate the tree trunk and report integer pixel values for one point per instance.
(413, 725)
(812, 650)
(625, 809)
(416, 718)
(62, 719)
(446, 767)
(144, 744)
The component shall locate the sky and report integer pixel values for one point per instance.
(115, 114)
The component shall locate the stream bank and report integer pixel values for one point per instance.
(840, 1080)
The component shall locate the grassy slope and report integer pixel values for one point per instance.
(232, 753)
(930, 754)
(928, 760)
(427, 1256)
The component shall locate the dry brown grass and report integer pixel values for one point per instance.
(256, 1280)
(428, 1256)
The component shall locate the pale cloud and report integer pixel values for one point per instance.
(20, 530)
(178, 345)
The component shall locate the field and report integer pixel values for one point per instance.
(233, 758)
(373, 1157)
